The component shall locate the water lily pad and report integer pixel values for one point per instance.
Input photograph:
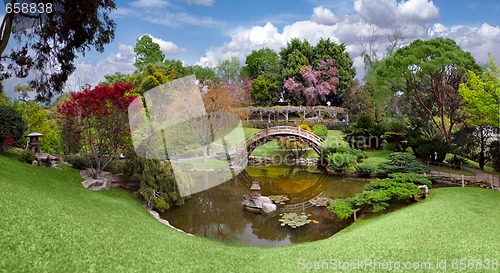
(279, 199)
(294, 220)
(321, 201)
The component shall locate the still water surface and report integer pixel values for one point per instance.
(217, 212)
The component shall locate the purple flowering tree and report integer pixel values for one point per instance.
(315, 84)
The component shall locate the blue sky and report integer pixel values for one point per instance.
(206, 31)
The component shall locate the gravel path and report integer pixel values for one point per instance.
(480, 176)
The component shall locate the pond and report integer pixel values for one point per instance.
(218, 213)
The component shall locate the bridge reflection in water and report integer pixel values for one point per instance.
(217, 212)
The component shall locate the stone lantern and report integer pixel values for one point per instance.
(34, 143)
(255, 188)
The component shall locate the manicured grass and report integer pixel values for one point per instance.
(376, 156)
(211, 164)
(50, 223)
(335, 137)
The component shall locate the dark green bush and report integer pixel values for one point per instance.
(343, 208)
(413, 178)
(393, 189)
(457, 160)
(157, 182)
(376, 199)
(16, 151)
(341, 162)
(77, 161)
(494, 153)
(366, 170)
(341, 149)
(11, 126)
(402, 163)
(115, 166)
(365, 132)
(395, 136)
(321, 131)
(27, 156)
(378, 194)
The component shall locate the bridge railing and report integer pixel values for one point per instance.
(284, 129)
(275, 131)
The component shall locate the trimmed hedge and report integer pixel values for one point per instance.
(379, 193)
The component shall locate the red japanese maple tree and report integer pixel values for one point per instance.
(98, 116)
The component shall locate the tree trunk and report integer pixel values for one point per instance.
(205, 154)
(482, 140)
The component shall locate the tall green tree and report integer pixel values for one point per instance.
(4, 99)
(147, 52)
(266, 89)
(229, 71)
(151, 76)
(11, 130)
(264, 60)
(117, 77)
(50, 48)
(175, 67)
(327, 49)
(38, 119)
(205, 75)
(298, 55)
(481, 95)
(431, 72)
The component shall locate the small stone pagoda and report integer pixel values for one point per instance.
(34, 142)
(41, 159)
(256, 202)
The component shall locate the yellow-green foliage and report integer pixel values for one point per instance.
(306, 127)
(482, 96)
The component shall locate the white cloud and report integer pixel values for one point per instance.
(167, 47)
(437, 29)
(121, 12)
(201, 2)
(87, 72)
(150, 3)
(325, 16)
(377, 12)
(243, 41)
(377, 19)
(387, 12)
(120, 61)
(418, 11)
(478, 41)
(491, 32)
(179, 19)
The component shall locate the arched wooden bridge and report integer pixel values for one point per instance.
(277, 132)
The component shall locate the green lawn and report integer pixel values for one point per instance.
(376, 156)
(50, 223)
(335, 137)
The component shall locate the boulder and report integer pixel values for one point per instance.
(261, 203)
(46, 160)
(96, 184)
(268, 208)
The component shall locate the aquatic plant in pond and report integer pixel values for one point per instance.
(321, 201)
(294, 220)
(279, 199)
